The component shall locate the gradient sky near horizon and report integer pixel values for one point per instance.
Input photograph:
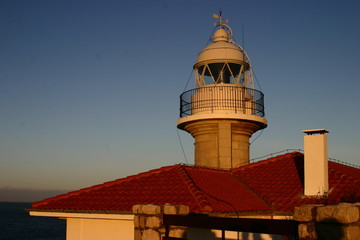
(89, 90)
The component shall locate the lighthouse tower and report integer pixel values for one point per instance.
(224, 109)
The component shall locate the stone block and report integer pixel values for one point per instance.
(304, 213)
(141, 222)
(151, 209)
(136, 221)
(136, 209)
(169, 209)
(307, 231)
(325, 214)
(352, 232)
(346, 214)
(137, 234)
(150, 234)
(177, 232)
(161, 230)
(184, 210)
(153, 222)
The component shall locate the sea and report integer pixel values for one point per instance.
(17, 224)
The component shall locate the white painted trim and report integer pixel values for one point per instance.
(129, 217)
(212, 116)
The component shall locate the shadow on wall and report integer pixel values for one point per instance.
(200, 234)
(259, 236)
(329, 230)
(208, 234)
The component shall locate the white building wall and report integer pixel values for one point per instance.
(95, 229)
(94, 226)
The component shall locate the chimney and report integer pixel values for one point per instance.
(316, 180)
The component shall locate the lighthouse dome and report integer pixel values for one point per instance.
(221, 50)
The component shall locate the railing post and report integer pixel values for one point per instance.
(212, 102)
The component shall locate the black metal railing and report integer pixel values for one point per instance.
(253, 160)
(217, 98)
(275, 154)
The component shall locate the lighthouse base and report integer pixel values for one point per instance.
(222, 143)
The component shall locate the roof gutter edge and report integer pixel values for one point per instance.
(90, 214)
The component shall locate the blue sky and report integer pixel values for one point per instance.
(89, 89)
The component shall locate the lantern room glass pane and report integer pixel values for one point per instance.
(220, 72)
(235, 69)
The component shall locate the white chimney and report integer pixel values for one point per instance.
(316, 180)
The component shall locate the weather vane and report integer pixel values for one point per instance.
(220, 20)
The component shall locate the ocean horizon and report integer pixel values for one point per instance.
(17, 224)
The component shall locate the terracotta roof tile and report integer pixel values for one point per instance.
(279, 180)
(275, 184)
(202, 189)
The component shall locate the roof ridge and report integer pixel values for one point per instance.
(275, 154)
(251, 189)
(207, 195)
(197, 193)
(266, 161)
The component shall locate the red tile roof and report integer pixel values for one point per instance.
(275, 184)
(202, 189)
(279, 181)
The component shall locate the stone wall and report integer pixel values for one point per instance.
(148, 221)
(332, 222)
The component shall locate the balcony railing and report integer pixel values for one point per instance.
(221, 99)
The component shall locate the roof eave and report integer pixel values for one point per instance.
(92, 214)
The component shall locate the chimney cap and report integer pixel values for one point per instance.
(315, 131)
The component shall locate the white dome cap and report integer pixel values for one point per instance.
(221, 35)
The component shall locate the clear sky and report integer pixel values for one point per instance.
(89, 90)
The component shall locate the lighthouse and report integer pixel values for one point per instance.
(224, 109)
